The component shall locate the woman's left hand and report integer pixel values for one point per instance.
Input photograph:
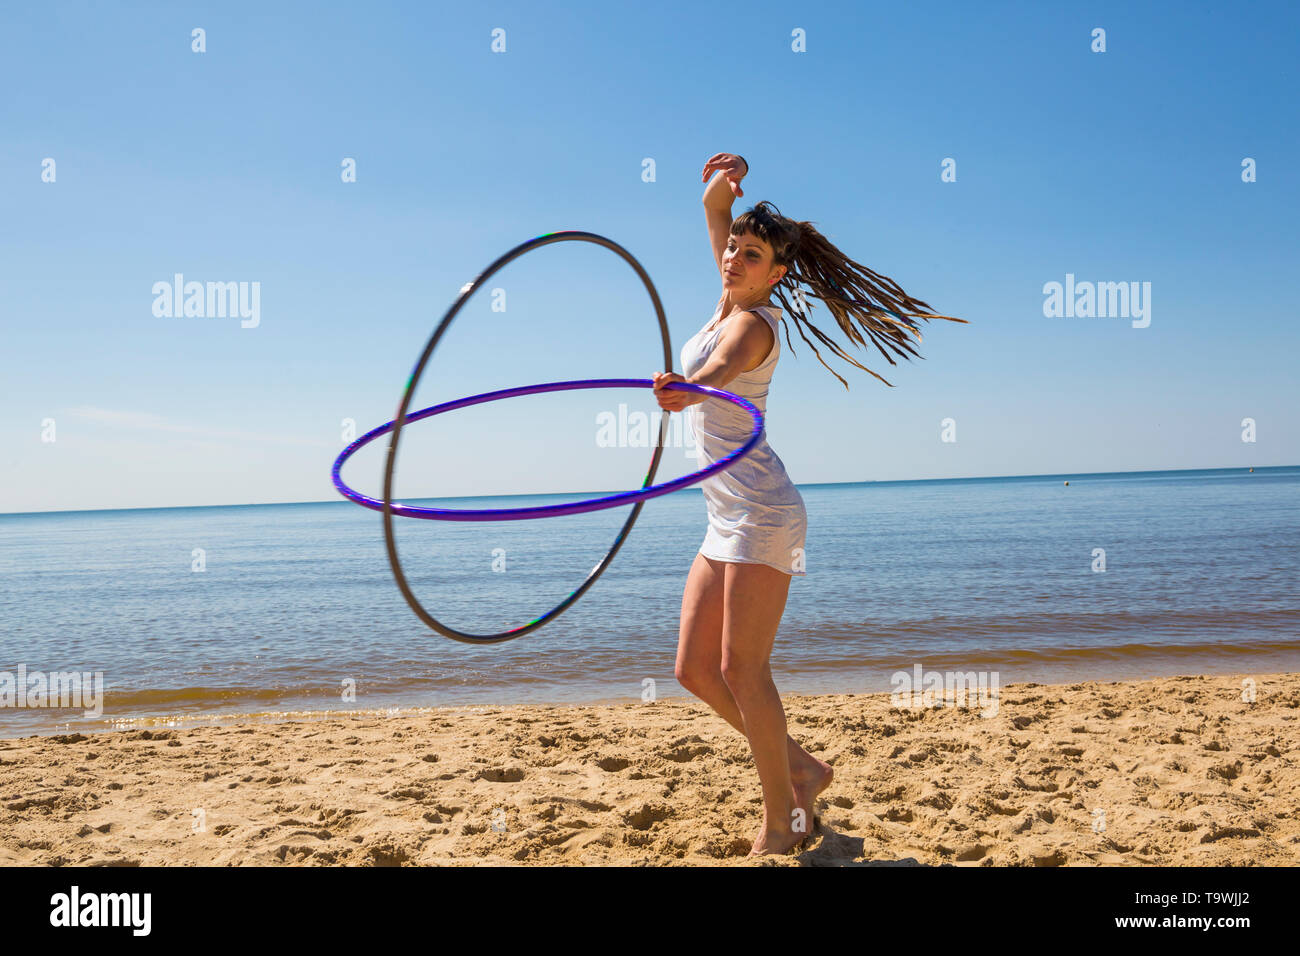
(672, 400)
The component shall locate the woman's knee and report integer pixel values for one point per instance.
(744, 678)
(695, 676)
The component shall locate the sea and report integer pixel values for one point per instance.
(166, 617)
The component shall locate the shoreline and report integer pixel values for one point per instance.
(1175, 770)
(217, 717)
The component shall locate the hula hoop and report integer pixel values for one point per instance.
(549, 511)
(395, 427)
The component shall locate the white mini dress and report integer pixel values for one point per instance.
(756, 515)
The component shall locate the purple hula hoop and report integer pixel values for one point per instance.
(636, 498)
(549, 511)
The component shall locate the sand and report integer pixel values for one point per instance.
(1168, 771)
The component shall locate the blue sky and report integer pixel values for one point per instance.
(1122, 166)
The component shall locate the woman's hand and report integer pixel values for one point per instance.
(672, 400)
(732, 166)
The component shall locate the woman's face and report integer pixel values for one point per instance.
(747, 267)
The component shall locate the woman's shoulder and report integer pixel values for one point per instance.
(769, 312)
(770, 315)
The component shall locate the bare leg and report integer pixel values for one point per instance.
(699, 670)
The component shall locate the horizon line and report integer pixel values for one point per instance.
(808, 484)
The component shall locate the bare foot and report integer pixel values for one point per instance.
(808, 781)
(772, 842)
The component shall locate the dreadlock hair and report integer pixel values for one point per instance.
(851, 291)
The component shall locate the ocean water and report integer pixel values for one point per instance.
(296, 603)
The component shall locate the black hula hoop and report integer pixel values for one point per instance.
(400, 420)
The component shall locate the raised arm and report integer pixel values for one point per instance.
(718, 197)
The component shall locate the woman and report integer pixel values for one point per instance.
(736, 590)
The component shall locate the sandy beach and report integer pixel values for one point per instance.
(1168, 771)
